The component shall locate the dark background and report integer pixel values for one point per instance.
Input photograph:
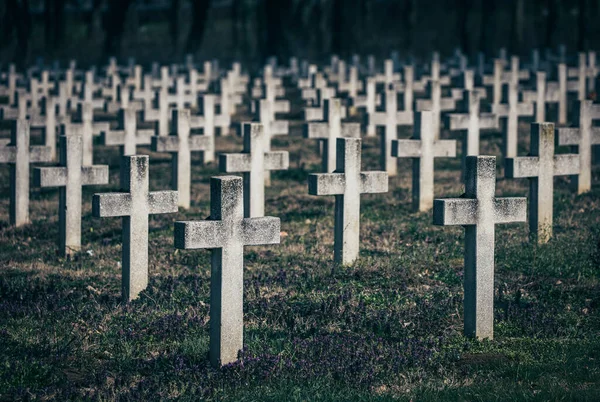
(251, 30)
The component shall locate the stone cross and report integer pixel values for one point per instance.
(541, 167)
(582, 138)
(272, 127)
(253, 163)
(181, 144)
(423, 148)
(47, 121)
(545, 92)
(159, 114)
(127, 136)
(512, 111)
(479, 211)
(208, 121)
(85, 129)
(134, 205)
(70, 177)
(437, 104)
(19, 154)
(330, 130)
(347, 183)
(390, 118)
(226, 233)
(472, 121)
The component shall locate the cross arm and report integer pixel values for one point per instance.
(406, 148)
(92, 175)
(507, 210)
(405, 118)
(316, 130)
(99, 127)
(50, 177)
(282, 106)
(235, 163)
(373, 182)
(163, 202)
(280, 127)
(423, 104)
(351, 130)
(111, 205)
(500, 110)
(40, 153)
(199, 234)
(566, 164)
(8, 154)
(200, 142)
(377, 118)
(455, 211)
(488, 120)
(567, 136)
(313, 114)
(112, 137)
(259, 231)
(458, 121)
(447, 104)
(144, 136)
(444, 149)
(523, 166)
(168, 143)
(326, 184)
(279, 160)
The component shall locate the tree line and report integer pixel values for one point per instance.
(308, 28)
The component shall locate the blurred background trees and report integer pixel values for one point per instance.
(252, 30)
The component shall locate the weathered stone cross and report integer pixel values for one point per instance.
(226, 233)
(253, 163)
(19, 154)
(181, 144)
(134, 205)
(583, 138)
(471, 120)
(437, 104)
(330, 130)
(127, 136)
(541, 167)
(70, 177)
(478, 211)
(390, 118)
(423, 149)
(347, 183)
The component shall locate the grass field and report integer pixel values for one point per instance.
(388, 327)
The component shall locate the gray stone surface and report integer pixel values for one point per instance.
(582, 139)
(253, 163)
(134, 205)
(541, 167)
(346, 184)
(423, 148)
(226, 233)
(70, 177)
(127, 136)
(19, 154)
(390, 119)
(330, 130)
(181, 145)
(478, 210)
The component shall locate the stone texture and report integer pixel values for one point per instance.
(347, 183)
(19, 154)
(226, 233)
(253, 163)
(181, 145)
(390, 119)
(134, 205)
(127, 136)
(582, 139)
(423, 148)
(330, 130)
(541, 167)
(70, 177)
(478, 210)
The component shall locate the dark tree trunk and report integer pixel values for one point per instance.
(18, 20)
(94, 27)
(582, 40)
(487, 27)
(199, 15)
(276, 13)
(337, 24)
(54, 24)
(551, 23)
(518, 21)
(462, 7)
(114, 26)
(174, 22)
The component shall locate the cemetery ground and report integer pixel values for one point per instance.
(388, 327)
